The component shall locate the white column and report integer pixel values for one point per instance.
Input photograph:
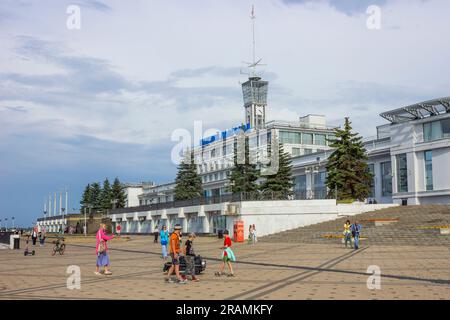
(49, 205)
(184, 224)
(60, 203)
(206, 226)
(54, 205)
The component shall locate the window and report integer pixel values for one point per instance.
(402, 173)
(371, 168)
(308, 151)
(428, 170)
(436, 130)
(295, 152)
(330, 139)
(213, 153)
(307, 138)
(259, 120)
(320, 189)
(224, 150)
(445, 124)
(300, 183)
(290, 137)
(386, 179)
(320, 139)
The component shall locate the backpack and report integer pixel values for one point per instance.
(102, 246)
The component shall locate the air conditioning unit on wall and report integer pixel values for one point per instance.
(231, 210)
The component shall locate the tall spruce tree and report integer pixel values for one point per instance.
(96, 200)
(106, 195)
(244, 173)
(348, 174)
(280, 184)
(118, 195)
(86, 198)
(188, 182)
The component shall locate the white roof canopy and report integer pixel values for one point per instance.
(418, 111)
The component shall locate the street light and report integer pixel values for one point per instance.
(12, 222)
(63, 221)
(85, 227)
(6, 224)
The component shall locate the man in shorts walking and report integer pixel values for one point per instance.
(175, 250)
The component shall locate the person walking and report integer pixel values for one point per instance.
(356, 232)
(347, 233)
(34, 235)
(118, 229)
(227, 256)
(189, 256)
(250, 234)
(164, 235)
(41, 237)
(254, 237)
(156, 233)
(174, 249)
(101, 249)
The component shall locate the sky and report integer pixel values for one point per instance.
(80, 105)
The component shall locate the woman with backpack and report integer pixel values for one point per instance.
(101, 249)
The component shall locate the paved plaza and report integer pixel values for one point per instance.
(264, 271)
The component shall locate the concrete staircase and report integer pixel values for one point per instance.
(407, 225)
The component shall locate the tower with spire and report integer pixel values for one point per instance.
(254, 90)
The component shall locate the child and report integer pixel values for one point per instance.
(227, 255)
(189, 255)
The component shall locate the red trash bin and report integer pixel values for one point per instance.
(238, 231)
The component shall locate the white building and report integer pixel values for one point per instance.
(409, 157)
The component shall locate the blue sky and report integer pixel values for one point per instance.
(80, 105)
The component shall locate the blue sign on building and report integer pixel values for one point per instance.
(225, 134)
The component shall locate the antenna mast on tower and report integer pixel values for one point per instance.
(252, 65)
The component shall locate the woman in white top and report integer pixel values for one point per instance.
(254, 237)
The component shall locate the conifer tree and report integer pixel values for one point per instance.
(86, 198)
(106, 195)
(188, 182)
(118, 195)
(348, 174)
(279, 185)
(96, 197)
(244, 173)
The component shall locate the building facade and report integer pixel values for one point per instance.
(409, 158)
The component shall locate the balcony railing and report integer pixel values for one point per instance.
(317, 193)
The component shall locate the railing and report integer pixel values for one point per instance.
(317, 193)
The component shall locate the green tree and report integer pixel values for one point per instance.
(188, 182)
(106, 195)
(348, 174)
(279, 185)
(86, 198)
(96, 191)
(244, 173)
(118, 195)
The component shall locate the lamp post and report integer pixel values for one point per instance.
(0, 224)
(6, 224)
(63, 221)
(12, 218)
(85, 219)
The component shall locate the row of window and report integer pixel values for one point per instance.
(229, 146)
(402, 171)
(386, 179)
(304, 138)
(215, 176)
(436, 130)
(297, 151)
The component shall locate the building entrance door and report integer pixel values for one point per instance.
(219, 223)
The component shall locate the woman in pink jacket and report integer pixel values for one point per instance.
(101, 249)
